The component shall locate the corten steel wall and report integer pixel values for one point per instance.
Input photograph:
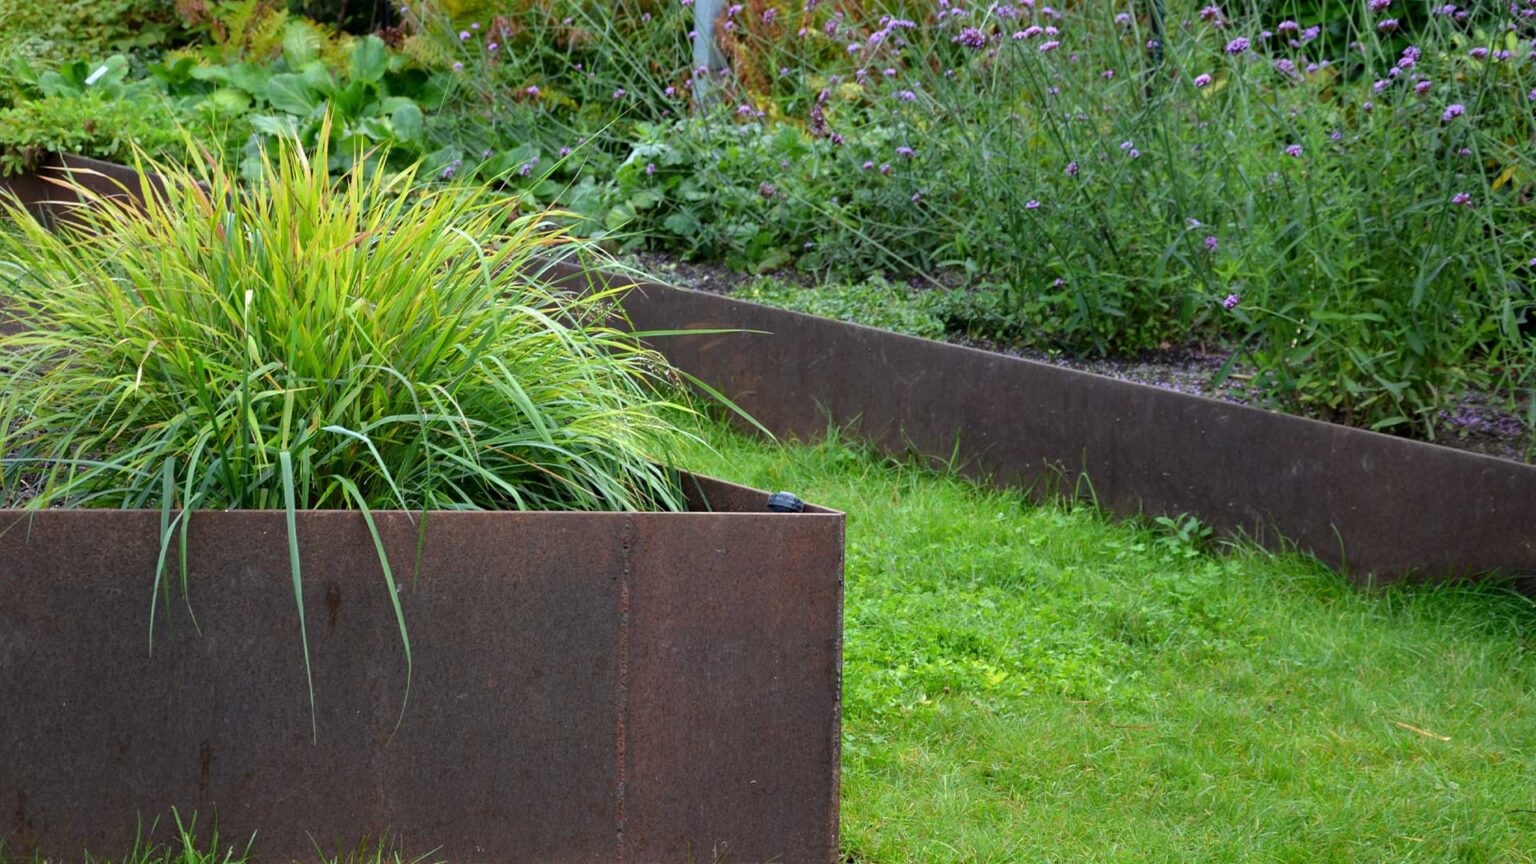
(587, 688)
(42, 194)
(1378, 506)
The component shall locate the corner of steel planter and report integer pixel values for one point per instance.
(587, 687)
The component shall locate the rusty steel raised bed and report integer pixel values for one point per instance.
(1377, 506)
(588, 687)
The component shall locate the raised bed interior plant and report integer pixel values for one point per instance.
(329, 392)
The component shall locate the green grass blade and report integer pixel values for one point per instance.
(389, 582)
(290, 511)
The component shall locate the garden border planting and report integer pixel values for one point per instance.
(587, 686)
(1378, 506)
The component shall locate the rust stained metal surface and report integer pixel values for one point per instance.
(587, 687)
(40, 190)
(1377, 506)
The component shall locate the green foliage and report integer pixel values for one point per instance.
(1114, 198)
(252, 31)
(88, 124)
(51, 32)
(875, 302)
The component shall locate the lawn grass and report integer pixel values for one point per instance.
(1041, 683)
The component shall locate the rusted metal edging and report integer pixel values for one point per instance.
(587, 687)
(1377, 506)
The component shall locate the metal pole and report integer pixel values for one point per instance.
(706, 52)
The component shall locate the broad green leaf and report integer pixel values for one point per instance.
(290, 93)
(408, 122)
(370, 59)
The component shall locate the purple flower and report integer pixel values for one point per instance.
(767, 191)
(1423, 87)
(532, 90)
(1462, 198)
(1071, 169)
(1389, 25)
(650, 169)
(869, 166)
(458, 67)
(1478, 53)
(1237, 46)
(1202, 80)
(1211, 243)
(1379, 5)
(885, 168)
(1050, 45)
(1211, 13)
(619, 93)
(492, 46)
(906, 151)
(1294, 151)
(463, 35)
(1031, 205)
(906, 96)
(1231, 301)
(972, 38)
(1452, 111)
(916, 197)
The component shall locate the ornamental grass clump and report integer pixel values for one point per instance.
(308, 343)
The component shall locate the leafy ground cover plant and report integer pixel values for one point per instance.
(91, 109)
(302, 343)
